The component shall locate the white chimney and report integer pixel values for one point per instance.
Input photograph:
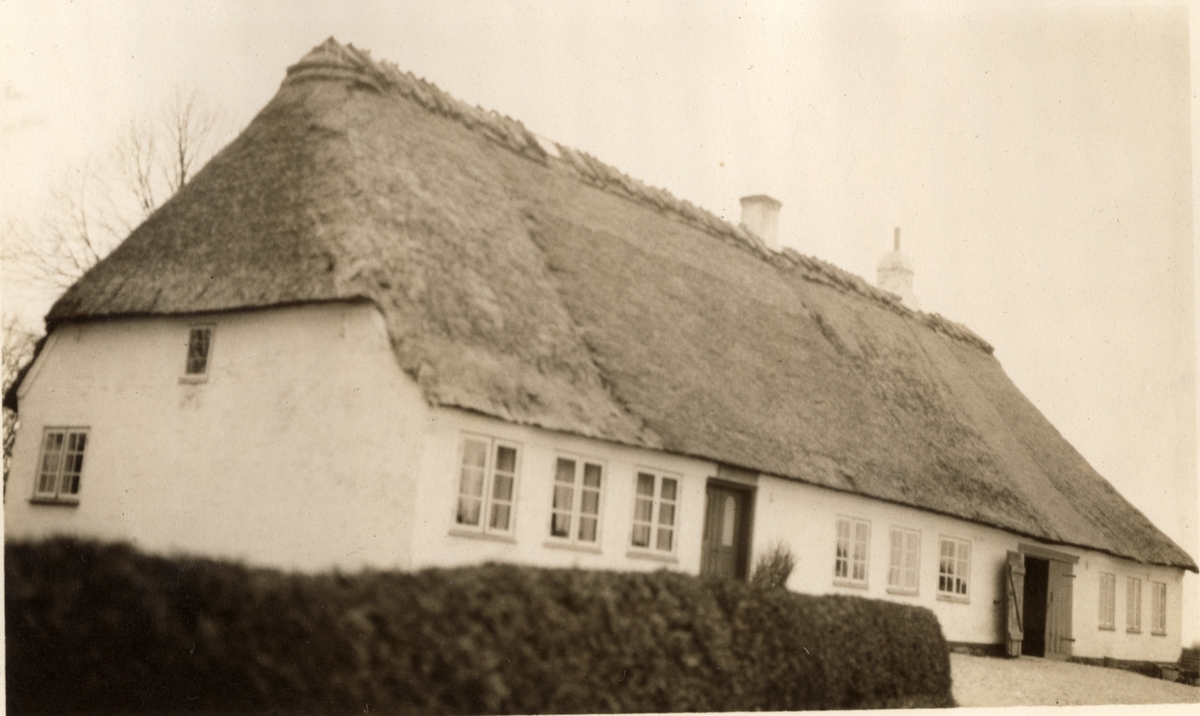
(760, 216)
(896, 274)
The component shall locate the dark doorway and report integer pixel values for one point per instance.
(1037, 579)
(725, 551)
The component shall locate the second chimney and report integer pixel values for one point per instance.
(760, 216)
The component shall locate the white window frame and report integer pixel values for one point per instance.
(1108, 601)
(487, 498)
(574, 511)
(852, 556)
(904, 560)
(200, 376)
(1158, 608)
(67, 449)
(654, 526)
(954, 570)
(1133, 605)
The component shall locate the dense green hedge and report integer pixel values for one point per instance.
(96, 627)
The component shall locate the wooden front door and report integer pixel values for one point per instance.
(1059, 597)
(1014, 599)
(726, 548)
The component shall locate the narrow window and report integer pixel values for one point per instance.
(954, 567)
(905, 560)
(853, 546)
(1158, 608)
(655, 501)
(1108, 601)
(61, 465)
(1133, 605)
(487, 485)
(575, 510)
(199, 342)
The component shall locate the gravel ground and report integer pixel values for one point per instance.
(981, 681)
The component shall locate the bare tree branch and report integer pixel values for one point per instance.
(19, 343)
(98, 205)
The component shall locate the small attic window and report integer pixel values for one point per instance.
(199, 345)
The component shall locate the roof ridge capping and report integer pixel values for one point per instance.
(333, 60)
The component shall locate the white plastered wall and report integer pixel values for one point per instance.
(439, 541)
(804, 518)
(304, 446)
(1121, 642)
(298, 451)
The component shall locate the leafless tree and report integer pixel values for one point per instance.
(19, 342)
(158, 154)
(96, 206)
(79, 225)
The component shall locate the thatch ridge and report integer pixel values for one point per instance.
(332, 60)
(532, 283)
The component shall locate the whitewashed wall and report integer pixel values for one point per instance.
(307, 447)
(1119, 643)
(438, 541)
(804, 517)
(298, 451)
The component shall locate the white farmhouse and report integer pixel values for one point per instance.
(385, 328)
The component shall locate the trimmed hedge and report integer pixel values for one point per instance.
(95, 627)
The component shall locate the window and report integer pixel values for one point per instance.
(853, 543)
(487, 485)
(654, 512)
(61, 465)
(199, 344)
(904, 567)
(1108, 601)
(954, 567)
(1133, 605)
(575, 513)
(1158, 608)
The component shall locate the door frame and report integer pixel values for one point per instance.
(749, 493)
(1065, 562)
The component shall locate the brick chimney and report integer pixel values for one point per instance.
(896, 274)
(760, 216)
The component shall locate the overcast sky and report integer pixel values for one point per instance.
(1036, 156)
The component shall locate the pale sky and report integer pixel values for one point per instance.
(1036, 155)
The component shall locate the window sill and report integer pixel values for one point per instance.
(1158, 633)
(848, 583)
(956, 598)
(1107, 628)
(472, 534)
(663, 557)
(193, 379)
(56, 501)
(570, 546)
(1133, 631)
(903, 592)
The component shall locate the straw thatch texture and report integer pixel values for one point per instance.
(546, 288)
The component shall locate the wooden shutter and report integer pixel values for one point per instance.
(1014, 593)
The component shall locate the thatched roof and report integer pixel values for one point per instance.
(530, 282)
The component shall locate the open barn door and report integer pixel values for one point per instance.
(1014, 593)
(1060, 640)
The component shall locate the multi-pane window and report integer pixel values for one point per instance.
(853, 545)
(199, 343)
(1158, 608)
(1108, 601)
(1133, 605)
(575, 513)
(905, 560)
(61, 464)
(654, 512)
(954, 566)
(487, 485)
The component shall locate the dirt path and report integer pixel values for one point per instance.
(980, 681)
